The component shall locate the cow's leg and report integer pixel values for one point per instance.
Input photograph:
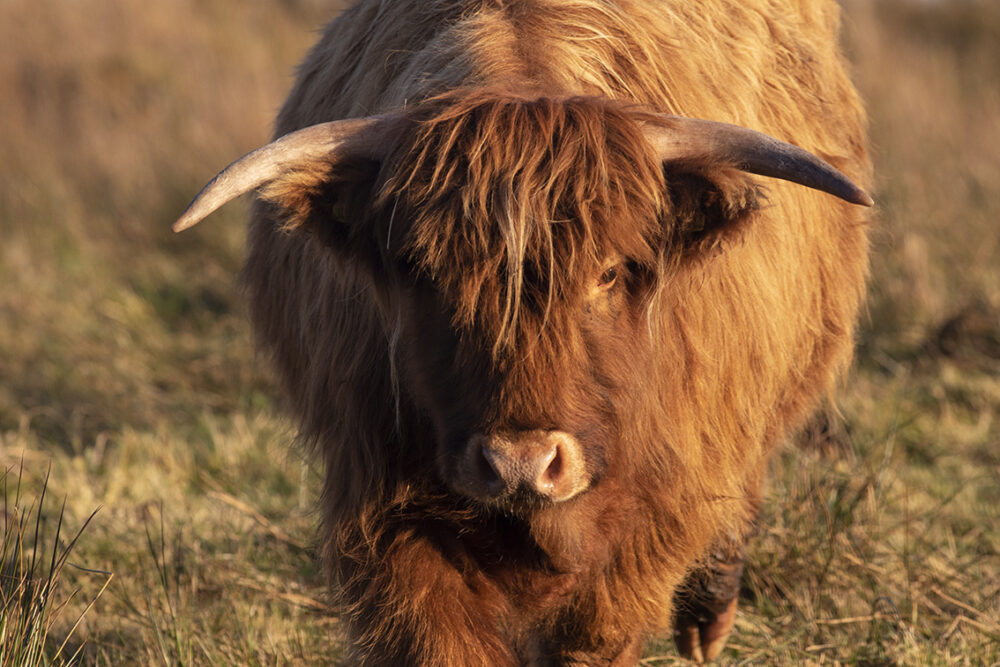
(706, 604)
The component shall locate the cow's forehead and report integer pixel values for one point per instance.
(507, 196)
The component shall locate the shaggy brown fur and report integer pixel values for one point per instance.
(455, 287)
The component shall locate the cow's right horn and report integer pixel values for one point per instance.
(333, 141)
(680, 138)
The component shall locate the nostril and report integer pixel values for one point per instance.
(562, 472)
(486, 467)
(552, 468)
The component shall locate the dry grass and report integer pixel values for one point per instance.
(125, 358)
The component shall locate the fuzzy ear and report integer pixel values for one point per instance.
(331, 200)
(707, 205)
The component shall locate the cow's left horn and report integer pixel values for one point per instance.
(333, 141)
(680, 138)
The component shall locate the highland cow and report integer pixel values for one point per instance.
(538, 315)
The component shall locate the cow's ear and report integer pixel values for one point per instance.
(707, 206)
(316, 174)
(329, 199)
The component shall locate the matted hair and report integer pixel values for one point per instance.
(501, 187)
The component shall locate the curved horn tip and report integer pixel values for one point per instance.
(191, 216)
(184, 222)
(207, 202)
(862, 198)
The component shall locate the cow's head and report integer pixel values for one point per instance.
(520, 244)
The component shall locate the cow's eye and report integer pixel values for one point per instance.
(608, 278)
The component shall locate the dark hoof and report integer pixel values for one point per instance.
(701, 637)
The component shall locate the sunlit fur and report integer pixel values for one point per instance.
(557, 186)
(520, 171)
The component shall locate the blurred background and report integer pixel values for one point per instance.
(127, 373)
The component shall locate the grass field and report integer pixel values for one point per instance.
(127, 372)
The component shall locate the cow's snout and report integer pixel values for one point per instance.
(549, 464)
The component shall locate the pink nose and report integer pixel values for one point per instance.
(549, 464)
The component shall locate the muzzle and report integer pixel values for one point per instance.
(546, 465)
